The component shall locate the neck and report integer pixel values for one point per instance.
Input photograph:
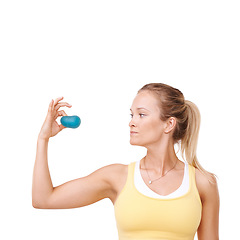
(160, 158)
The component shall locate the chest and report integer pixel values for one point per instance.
(137, 213)
(163, 185)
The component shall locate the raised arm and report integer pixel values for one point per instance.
(83, 191)
(42, 186)
(72, 194)
(76, 193)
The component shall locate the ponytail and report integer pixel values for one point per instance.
(190, 139)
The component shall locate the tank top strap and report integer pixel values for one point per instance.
(130, 178)
(192, 180)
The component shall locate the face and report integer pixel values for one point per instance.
(146, 126)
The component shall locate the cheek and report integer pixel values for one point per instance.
(153, 130)
(154, 125)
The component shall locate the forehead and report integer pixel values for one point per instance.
(146, 100)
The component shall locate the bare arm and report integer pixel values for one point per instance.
(209, 226)
(42, 184)
(83, 191)
(76, 193)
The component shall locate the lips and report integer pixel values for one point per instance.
(132, 132)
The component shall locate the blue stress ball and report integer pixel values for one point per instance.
(71, 121)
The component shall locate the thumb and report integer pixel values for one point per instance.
(61, 113)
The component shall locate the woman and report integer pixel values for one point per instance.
(157, 197)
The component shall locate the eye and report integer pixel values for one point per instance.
(140, 114)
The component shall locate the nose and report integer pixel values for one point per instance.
(132, 123)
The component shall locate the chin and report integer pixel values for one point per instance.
(135, 143)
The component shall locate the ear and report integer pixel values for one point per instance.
(170, 124)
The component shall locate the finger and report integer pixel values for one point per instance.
(61, 127)
(50, 106)
(57, 100)
(62, 104)
(60, 113)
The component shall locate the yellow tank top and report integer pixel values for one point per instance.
(142, 217)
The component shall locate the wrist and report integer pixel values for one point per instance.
(42, 139)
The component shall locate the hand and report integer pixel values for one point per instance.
(50, 126)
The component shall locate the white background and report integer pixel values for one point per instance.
(97, 54)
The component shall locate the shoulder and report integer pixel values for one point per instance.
(115, 175)
(114, 171)
(207, 185)
(116, 167)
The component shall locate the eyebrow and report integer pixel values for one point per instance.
(140, 108)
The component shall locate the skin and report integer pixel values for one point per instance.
(151, 133)
(156, 136)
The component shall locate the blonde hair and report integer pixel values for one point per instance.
(173, 104)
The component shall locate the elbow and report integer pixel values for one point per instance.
(35, 206)
(38, 201)
(35, 202)
(38, 205)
